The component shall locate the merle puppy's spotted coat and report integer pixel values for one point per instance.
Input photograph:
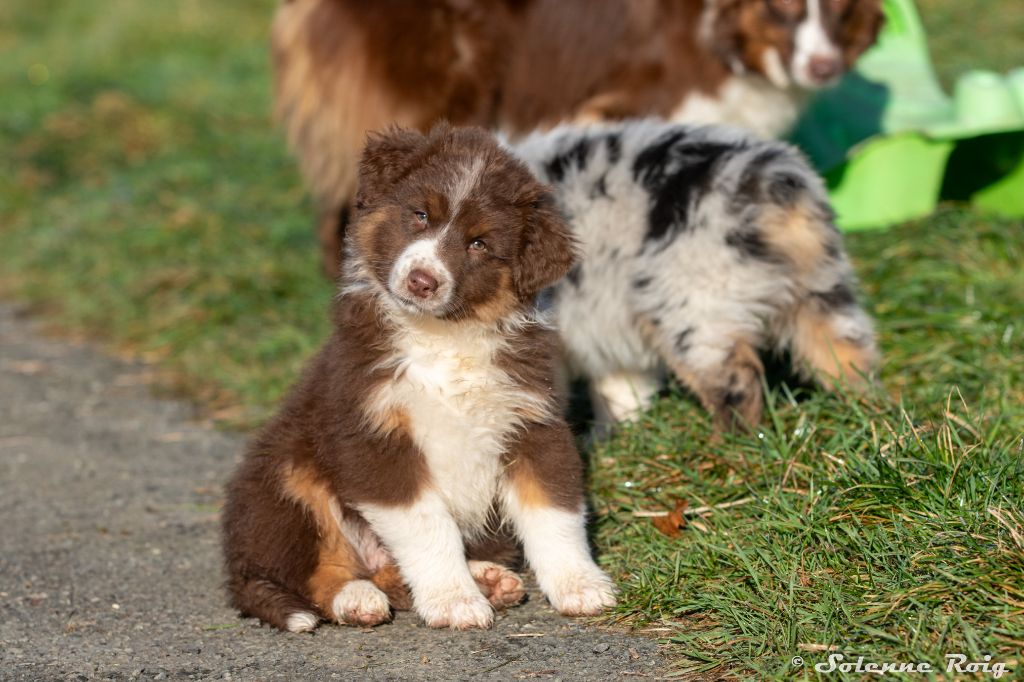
(701, 247)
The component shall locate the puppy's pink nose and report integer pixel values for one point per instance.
(824, 68)
(421, 283)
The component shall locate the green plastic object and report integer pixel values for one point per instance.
(891, 144)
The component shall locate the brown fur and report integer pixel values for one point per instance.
(345, 67)
(328, 450)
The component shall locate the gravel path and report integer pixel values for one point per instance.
(110, 559)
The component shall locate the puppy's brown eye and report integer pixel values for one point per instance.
(477, 245)
(421, 217)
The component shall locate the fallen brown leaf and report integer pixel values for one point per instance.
(671, 523)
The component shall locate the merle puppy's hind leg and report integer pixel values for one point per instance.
(725, 376)
(622, 396)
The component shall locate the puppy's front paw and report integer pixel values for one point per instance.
(459, 611)
(585, 592)
(360, 603)
(502, 587)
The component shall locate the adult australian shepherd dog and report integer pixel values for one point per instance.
(344, 67)
(424, 440)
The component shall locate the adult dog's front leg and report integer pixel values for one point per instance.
(543, 497)
(427, 546)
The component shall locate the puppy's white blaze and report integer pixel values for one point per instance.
(422, 253)
(810, 41)
(461, 408)
(427, 545)
(360, 597)
(301, 621)
(555, 543)
(462, 187)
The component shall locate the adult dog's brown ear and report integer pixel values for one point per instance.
(387, 158)
(720, 29)
(864, 20)
(548, 248)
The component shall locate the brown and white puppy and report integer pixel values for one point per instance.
(426, 430)
(344, 67)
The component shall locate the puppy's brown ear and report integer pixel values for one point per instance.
(548, 248)
(860, 29)
(387, 157)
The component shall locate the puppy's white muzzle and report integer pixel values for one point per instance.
(420, 281)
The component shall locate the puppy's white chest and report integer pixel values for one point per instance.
(461, 407)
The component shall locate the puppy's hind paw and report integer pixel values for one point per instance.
(360, 602)
(502, 587)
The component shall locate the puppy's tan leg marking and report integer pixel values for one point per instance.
(528, 490)
(736, 399)
(727, 383)
(502, 587)
(389, 581)
(335, 587)
(831, 358)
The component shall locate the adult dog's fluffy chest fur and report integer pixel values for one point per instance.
(459, 406)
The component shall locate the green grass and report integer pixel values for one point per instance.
(973, 34)
(147, 197)
(889, 525)
(146, 200)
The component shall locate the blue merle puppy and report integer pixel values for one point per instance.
(702, 247)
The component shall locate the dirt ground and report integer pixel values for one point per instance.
(110, 558)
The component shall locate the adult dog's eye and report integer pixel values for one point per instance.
(421, 217)
(477, 245)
